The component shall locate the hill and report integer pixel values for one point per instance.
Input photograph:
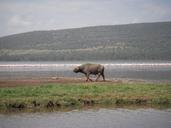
(144, 41)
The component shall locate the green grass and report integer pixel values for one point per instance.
(80, 94)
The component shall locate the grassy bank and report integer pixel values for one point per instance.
(55, 95)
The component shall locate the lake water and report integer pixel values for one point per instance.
(146, 70)
(101, 118)
(91, 118)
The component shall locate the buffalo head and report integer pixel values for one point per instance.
(76, 70)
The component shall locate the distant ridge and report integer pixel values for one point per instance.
(141, 41)
(85, 27)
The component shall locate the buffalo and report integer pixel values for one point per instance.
(88, 69)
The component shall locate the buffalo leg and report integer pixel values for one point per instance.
(98, 77)
(103, 76)
(87, 76)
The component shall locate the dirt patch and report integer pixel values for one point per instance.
(41, 81)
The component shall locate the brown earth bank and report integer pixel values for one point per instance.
(85, 107)
(41, 81)
(66, 80)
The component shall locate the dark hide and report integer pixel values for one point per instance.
(88, 69)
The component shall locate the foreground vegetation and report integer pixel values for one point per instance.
(54, 95)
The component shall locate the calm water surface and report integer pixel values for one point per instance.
(102, 118)
(147, 70)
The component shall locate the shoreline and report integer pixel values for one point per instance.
(85, 107)
(68, 80)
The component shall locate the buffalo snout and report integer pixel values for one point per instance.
(76, 70)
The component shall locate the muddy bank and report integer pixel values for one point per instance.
(65, 80)
(84, 107)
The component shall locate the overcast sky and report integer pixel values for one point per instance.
(17, 16)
